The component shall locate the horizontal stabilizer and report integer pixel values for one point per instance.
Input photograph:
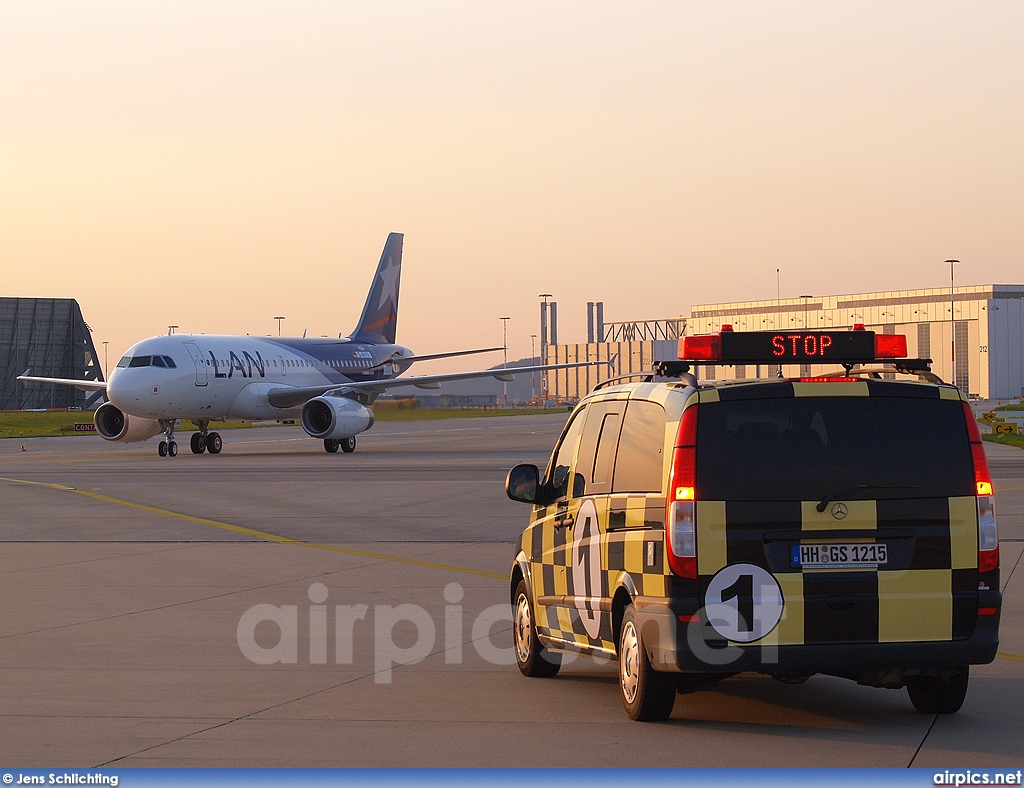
(452, 354)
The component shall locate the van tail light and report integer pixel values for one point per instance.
(988, 534)
(680, 517)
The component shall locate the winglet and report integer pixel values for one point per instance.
(379, 321)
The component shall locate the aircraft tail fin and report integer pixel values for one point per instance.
(379, 320)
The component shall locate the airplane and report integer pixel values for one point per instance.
(328, 384)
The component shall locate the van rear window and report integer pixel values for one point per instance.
(804, 448)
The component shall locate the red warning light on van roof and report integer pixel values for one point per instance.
(890, 346)
(702, 348)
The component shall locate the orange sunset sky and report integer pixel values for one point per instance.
(213, 165)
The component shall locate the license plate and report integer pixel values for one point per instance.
(855, 555)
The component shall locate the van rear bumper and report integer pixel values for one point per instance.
(683, 647)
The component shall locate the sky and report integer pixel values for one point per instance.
(213, 165)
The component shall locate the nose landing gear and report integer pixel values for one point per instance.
(168, 448)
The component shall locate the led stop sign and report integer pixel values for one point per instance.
(793, 347)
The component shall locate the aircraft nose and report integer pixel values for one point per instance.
(117, 390)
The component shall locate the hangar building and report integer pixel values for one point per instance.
(982, 326)
(50, 337)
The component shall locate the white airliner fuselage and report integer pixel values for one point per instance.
(231, 377)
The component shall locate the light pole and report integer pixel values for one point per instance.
(279, 318)
(544, 344)
(105, 365)
(805, 297)
(504, 344)
(533, 375)
(170, 330)
(952, 323)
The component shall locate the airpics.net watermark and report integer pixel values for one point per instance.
(407, 634)
(352, 621)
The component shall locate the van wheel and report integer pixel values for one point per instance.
(647, 694)
(936, 695)
(533, 659)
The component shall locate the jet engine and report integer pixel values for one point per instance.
(113, 425)
(335, 418)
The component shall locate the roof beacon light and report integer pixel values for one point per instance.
(890, 346)
(702, 348)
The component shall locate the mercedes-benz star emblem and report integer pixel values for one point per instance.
(839, 511)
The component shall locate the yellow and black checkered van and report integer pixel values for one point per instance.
(694, 530)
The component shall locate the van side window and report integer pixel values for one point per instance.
(596, 457)
(603, 462)
(561, 461)
(639, 464)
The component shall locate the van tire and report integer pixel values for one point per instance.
(533, 659)
(647, 694)
(936, 695)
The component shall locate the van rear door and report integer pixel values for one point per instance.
(857, 497)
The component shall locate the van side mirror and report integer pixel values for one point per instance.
(522, 483)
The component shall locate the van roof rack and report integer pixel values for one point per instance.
(661, 369)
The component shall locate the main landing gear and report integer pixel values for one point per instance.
(347, 445)
(201, 441)
(204, 440)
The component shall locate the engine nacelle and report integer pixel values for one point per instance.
(335, 418)
(113, 425)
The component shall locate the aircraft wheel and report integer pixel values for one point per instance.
(198, 443)
(162, 449)
(214, 443)
(172, 449)
(330, 445)
(348, 445)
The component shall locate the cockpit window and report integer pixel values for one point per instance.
(140, 361)
(124, 362)
(158, 361)
(170, 362)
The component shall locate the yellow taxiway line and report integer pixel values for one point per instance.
(254, 533)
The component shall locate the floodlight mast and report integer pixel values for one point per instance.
(952, 325)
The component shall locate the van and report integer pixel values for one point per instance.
(692, 530)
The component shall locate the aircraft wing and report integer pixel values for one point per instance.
(84, 385)
(293, 397)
